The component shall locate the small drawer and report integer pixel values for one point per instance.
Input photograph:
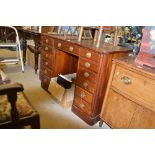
(85, 84)
(70, 48)
(86, 75)
(46, 49)
(46, 62)
(89, 54)
(45, 71)
(88, 64)
(59, 44)
(84, 95)
(47, 40)
(135, 86)
(82, 105)
(44, 79)
(46, 56)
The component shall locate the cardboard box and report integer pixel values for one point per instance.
(63, 96)
(30, 58)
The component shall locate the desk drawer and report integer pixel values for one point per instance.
(47, 56)
(45, 79)
(67, 46)
(46, 49)
(85, 84)
(136, 86)
(45, 71)
(59, 44)
(88, 64)
(89, 54)
(73, 49)
(46, 62)
(47, 40)
(87, 75)
(83, 94)
(82, 105)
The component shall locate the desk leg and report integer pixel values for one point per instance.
(24, 48)
(36, 53)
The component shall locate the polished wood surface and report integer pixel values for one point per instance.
(91, 64)
(129, 100)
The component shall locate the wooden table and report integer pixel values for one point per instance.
(30, 34)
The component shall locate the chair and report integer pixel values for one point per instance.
(15, 109)
(15, 44)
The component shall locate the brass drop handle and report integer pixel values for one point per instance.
(82, 105)
(46, 40)
(88, 54)
(126, 80)
(59, 44)
(46, 48)
(87, 64)
(86, 74)
(71, 48)
(85, 84)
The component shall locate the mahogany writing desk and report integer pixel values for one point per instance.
(92, 65)
(30, 34)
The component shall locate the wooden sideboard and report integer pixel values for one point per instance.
(92, 65)
(129, 101)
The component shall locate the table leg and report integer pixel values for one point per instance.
(36, 53)
(24, 48)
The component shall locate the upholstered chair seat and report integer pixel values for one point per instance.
(16, 111)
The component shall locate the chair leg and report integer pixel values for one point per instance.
(35, 123)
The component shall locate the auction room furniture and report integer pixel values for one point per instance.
(92, 65)
(26, 34)
(15, 44)
(15, 109)
(129, 101)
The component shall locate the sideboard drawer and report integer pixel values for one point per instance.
(135, 85)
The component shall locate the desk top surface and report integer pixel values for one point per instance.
(103, 48)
